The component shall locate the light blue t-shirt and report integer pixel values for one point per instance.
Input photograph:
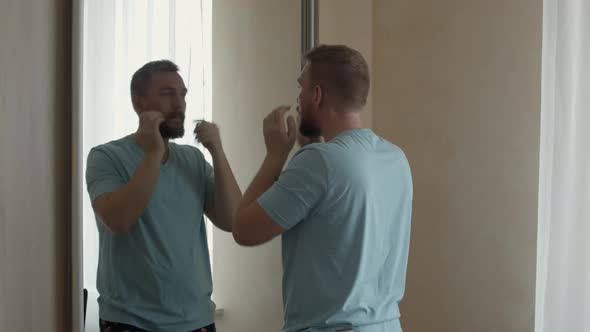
(346, 205)
(157, 276)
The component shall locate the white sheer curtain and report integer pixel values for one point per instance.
(563, 265)
(119, 36)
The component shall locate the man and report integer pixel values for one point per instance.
(149, 196)
(343, 207)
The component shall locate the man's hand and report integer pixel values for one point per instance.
(148, 135)
(222, 208)
(207, 133)
(278, 139)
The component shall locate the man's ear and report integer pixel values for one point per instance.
(137, 104)
(318, 95)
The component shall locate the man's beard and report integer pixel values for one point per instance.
(169, 132)
(309, 129)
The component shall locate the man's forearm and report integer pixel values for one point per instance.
(122, 209)
(227, 192)
(271, 168)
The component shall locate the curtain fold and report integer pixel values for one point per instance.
(563, 260)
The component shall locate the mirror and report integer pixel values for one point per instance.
(237, 60)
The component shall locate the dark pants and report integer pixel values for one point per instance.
(106, 326)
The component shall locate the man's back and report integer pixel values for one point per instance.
(345, 252)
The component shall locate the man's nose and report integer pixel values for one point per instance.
(179, 102)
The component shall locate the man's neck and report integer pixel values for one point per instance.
(340, 123)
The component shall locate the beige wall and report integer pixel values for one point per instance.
(457, 86)
(256, 62)
(34, 165)
(349, 22)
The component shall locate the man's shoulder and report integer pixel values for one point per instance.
(347, 150)
(121, 148)
(114, 145)
(313, 151)
(314, 156)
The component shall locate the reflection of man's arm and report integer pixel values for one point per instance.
(223, 208)
(121, 209)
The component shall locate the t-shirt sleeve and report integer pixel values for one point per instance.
(298, 189)
(101, 174)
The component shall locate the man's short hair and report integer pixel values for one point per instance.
(143, 76)
(342, 71)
